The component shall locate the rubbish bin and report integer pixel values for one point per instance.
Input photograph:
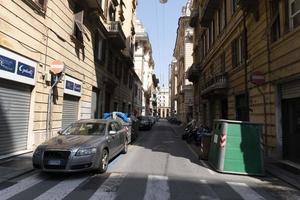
(236, 147)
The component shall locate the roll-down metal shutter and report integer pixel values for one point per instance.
(291, 90)
(70, 110)
(14, 116)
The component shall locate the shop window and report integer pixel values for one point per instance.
(294, 13)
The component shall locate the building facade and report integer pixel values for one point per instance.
(144, 66)
(163, 102)
(93, 40)
(246, 55)
(183, 59)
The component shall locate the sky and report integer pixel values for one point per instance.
(161, 22)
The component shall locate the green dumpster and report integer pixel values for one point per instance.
(236, 147)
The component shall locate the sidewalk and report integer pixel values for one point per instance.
(282, 170)
(15, 166)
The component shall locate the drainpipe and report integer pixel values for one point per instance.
(245, 63)
(269, 70)
(49, 108)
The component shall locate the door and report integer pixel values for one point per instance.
(95, 104)
(291, 129)
(120, 135)
(14, 116)
(70, 110)
(112, 139)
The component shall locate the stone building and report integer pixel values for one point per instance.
(247, 67)
(144, 65)
(93, 39)
(163, 102)
(183, 59)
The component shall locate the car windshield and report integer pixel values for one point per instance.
(85, 129)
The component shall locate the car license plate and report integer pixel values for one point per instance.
(54, 162)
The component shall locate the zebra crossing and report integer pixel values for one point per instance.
(107, 186)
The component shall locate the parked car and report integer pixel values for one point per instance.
(84, 145)
(145, 123)
(152, 119)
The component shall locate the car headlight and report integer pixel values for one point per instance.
(85, 152)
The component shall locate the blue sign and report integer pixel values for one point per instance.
(77, 87)
(7, 64)
(69, 85)
(25, 70)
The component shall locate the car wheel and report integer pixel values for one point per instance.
(103, 161)
(125, 149)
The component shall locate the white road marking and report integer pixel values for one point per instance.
(157, 188)
(245, 191)
(62, 189)
(207, 167)
(20, 187)
(108, 190)
(204, 182)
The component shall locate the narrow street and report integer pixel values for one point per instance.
(158, 166)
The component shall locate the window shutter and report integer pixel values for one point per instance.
(78, 19)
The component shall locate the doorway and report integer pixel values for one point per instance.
(291, 129)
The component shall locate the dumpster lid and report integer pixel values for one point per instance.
(236, 122)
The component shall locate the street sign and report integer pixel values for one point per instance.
(257, 78)
(57, 66)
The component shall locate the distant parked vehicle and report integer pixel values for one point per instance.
(145, 123)
(84, 145)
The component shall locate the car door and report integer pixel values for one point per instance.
(119, 136)
(112, 139)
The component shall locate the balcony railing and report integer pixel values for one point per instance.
(217, 83)
(193, 73)
(207, 12)
(116, 34)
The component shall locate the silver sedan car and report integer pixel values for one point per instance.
(84, 145)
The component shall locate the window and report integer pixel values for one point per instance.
(38, 5)
(111, 62)
(211, 33)
(41, 3)
(222, 15)
(223, 62)
(125, 75)
(100, 48)
(234, 6)
(78, 27)
(112, 13)
(294, 13)
(238, 49)
(275, 20)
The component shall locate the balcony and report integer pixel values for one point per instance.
(91, 5)
(208, 12)
(193, 73)
(194, 17)
(116, 34)
(216, 85)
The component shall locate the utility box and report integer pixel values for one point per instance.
(236, 147)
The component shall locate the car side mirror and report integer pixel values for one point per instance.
(112, 132)
(59, 132)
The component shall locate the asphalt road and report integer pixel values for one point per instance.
(158, 166)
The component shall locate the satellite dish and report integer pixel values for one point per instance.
(163, 1)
